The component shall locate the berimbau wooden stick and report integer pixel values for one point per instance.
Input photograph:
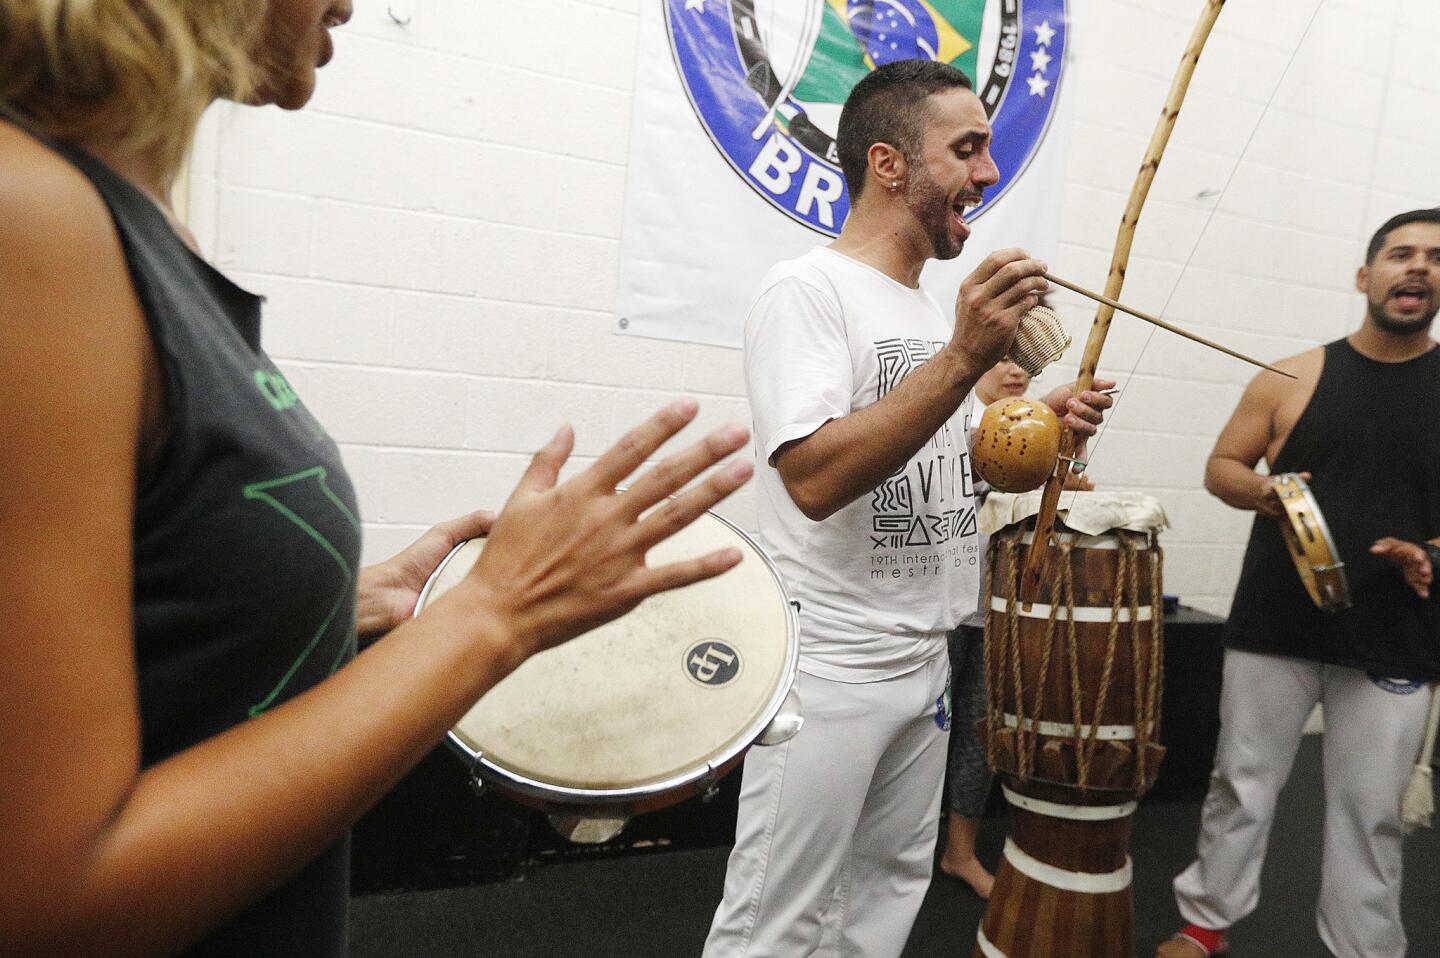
(1107, 301)
(1037, 557)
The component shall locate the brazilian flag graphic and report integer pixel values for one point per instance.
(856, 37)
(767, 79)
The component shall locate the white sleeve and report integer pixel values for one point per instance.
(797, 362)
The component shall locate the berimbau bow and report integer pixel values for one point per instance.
(1045, 521)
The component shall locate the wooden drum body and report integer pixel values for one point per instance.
(1074, 672)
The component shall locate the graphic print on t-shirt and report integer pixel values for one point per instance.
(920, 514)
(310, 505)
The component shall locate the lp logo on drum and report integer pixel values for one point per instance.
(712, 663)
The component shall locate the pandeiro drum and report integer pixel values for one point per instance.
(644, 711)
(1311, 547)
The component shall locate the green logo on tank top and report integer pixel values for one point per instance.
(291, 496)
(275, 389)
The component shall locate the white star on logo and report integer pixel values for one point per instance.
(1038, 85)
(697, 5)
(1040, 60)
(1044, 34)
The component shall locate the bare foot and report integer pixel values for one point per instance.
(972, 873)
(1180, 948)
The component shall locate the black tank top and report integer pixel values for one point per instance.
(246, 545)
(1370, 437)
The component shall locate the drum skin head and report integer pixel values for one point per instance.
(680, 682)
(1017, 444)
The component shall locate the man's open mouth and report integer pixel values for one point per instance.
(1412, 296)
(958, 210)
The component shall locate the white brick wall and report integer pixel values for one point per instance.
(438, 236)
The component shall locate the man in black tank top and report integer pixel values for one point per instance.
(1362, 425)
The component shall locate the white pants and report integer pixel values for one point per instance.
(1372, 735)
(836, 830)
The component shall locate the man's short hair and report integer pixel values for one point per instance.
(888, 106)
(1377, 242)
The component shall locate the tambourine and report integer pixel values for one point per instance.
(1311, 547)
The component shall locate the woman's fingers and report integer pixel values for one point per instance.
(563, 559)
(639, 444)
(470, 526)
(545, 465)
(675, 471)
(674, 514)
(674, 575)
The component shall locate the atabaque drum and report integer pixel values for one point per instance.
(1074, 670)
(646, 710)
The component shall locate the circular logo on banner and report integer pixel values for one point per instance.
(768, 78)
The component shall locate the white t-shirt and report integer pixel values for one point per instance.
(882, 580)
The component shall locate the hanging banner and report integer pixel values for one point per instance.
(733, 165)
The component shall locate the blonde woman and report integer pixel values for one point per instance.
(181, 543)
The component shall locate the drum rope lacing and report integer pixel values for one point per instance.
(1157, 647)
(1064, 586)
(1085, 752)
(1002, 650)
(987, 578)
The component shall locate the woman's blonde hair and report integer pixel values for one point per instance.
(133, 73)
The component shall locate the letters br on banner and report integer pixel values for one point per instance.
(733, 165)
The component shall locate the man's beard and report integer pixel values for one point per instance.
(1402, 327)
(932, 209)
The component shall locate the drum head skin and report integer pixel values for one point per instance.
(1089, 513)
(686, 680)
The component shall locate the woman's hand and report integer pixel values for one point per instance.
(387, 591)
(563, 559)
